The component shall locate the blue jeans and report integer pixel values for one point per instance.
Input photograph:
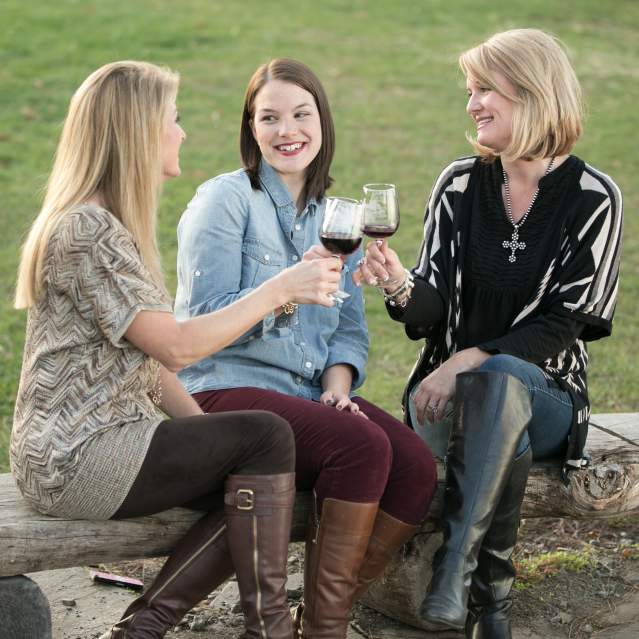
(549, 427)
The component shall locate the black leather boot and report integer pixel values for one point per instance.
(492, 410)
(490, 602)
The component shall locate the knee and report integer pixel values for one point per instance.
(502, 364)
(367, 444)
(511, 365)
(377, 448)
(275, 430)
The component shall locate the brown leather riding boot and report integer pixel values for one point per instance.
(388, 536)
(335, 548)
(199, 563)
(259, 510)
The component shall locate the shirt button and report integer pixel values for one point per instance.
(302, 343)
(308, 364)
(298, 379)
(294, 258)
(298, 227)
(198, 273)
(267, 257)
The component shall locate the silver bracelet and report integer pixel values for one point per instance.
(401, 295)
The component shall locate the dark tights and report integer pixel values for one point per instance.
(189, 459)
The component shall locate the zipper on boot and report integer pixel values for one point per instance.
(316, 519)
(258, 590)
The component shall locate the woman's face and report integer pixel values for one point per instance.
(286, 126)
(172, 137)
(491, 112)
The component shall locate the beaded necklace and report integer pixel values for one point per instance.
(514, 243)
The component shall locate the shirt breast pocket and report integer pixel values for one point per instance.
(259, 263)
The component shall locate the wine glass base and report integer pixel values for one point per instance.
(339, 296)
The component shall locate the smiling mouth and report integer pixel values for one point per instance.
(290, 148)
(481, 122)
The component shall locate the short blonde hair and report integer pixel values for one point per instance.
(548, 113)
(110, 144)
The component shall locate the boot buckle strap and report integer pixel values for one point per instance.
(244, 499)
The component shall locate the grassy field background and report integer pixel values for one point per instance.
(398, 102)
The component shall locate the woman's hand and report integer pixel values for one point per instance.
(341, 401)
(336, 384)
(435, 390)
(380, 267)
(318, 252)
(311, 281)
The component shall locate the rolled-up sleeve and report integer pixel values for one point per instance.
(210, 256)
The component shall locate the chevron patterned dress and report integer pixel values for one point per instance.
(83, 418)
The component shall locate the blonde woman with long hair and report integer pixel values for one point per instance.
(518, 270)
(102, 349)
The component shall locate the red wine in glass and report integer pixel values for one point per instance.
(341, 230)
(340, 243)
(379, 231)
(381, 210)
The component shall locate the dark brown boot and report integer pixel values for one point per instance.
(199, 563)
(388, 536)
(259, 510)
(335, 548)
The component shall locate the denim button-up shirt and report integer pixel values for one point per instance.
(231, 239)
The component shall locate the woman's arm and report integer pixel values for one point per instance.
(173, 398)
(211, 253)
(177, 344)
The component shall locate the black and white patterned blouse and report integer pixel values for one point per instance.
(559, 293)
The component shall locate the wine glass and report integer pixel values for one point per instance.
(342, 230)
(381, 210)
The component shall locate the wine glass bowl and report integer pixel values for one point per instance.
(381, 210)
(342, 230)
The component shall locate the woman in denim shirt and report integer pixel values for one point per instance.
(372, 477)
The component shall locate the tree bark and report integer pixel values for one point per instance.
(30, 541)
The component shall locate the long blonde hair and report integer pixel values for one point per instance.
(548, 113)
(111, 145)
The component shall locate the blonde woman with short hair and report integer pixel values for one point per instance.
(102, 348)
(518, 270)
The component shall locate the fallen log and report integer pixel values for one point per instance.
(30, 542)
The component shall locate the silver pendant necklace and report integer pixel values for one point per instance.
(514, 243)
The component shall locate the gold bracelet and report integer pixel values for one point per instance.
(156, 392)
(289, 308)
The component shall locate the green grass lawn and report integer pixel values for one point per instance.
(398, 102)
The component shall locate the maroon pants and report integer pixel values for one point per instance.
(346, 456)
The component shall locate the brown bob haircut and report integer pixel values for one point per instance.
(287, 70)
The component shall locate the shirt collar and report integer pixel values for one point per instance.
(280, 195)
